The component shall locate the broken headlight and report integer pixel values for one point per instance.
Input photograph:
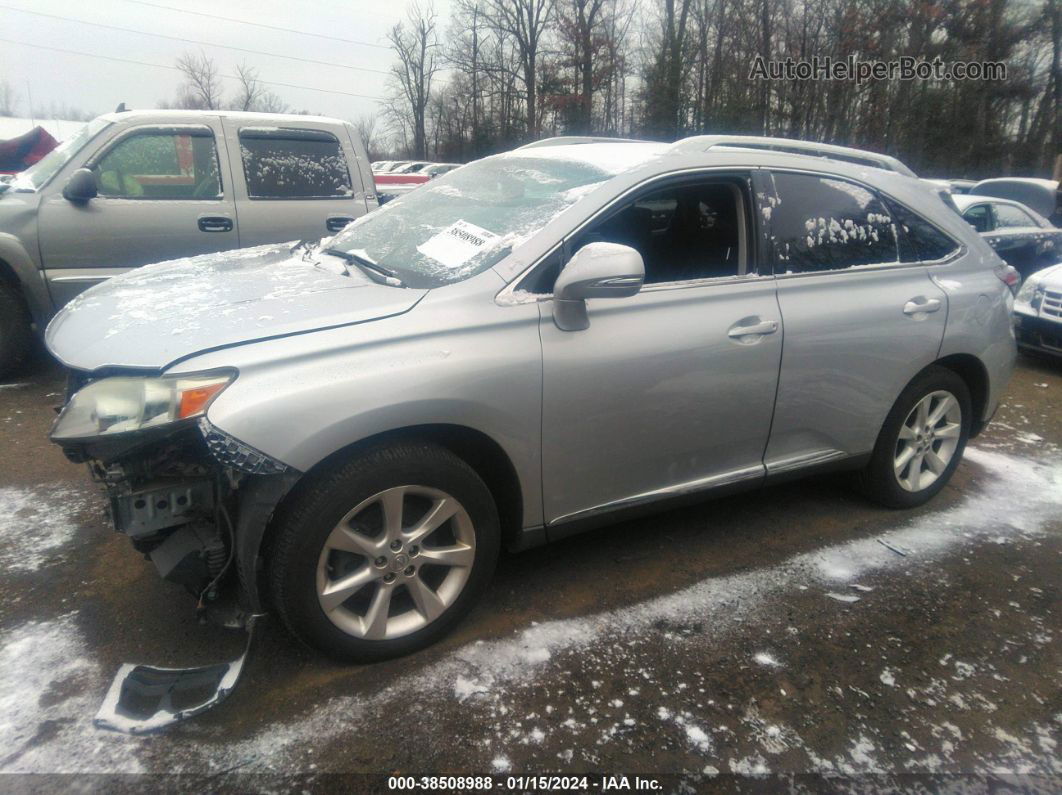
(123, 404)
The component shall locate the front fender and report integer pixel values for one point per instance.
(23, 268)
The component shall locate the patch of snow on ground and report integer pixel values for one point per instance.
(35, 525)
(49, 691)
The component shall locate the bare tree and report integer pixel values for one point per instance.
(417, 48)
(366, 127)
(202, 83)
(579, 22)
(8, 99)
(525, 21)
(253, 95)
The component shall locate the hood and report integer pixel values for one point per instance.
(1051, 277)
(153, 316)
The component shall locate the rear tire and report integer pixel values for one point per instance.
(349, 579)
(16, 334)
(921, 442)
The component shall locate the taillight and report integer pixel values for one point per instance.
(1010, 277)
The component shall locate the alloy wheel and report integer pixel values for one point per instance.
(396, 562)
(927, 441)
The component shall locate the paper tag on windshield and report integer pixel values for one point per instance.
(457, 244)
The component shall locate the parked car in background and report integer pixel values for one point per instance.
(529, 346)
(1038, 312)
(398, 182)
(412, 167)
(438, 169)
(1040, 195)
(386, 166)
(953, 185)
(1022, 237)
(136, 187)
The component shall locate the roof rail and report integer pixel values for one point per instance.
(571, 140)
(702, 143)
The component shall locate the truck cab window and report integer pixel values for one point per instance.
(293, 164)
(160, 165)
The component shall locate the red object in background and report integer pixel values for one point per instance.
(20, 153)
(400, 179)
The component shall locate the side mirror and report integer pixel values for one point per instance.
(598, 270)
(81, 186)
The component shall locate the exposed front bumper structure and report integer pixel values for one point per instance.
(196, 502)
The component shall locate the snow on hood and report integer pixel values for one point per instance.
(612, 158)
(153, 316)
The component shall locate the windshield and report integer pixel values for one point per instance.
(465, 221)
(44, 169)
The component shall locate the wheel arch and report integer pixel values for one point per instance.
(975, 375)
(485, 455)
(18, 270)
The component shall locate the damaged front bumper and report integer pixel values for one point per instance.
(196, 502)
(144, 699)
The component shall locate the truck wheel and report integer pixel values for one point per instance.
(385, 553)
(16, 336)
(921, 442)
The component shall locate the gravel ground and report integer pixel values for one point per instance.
(797, 630)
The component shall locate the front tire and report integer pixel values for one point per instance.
(16, 336)
(384, 554)
(921, 442)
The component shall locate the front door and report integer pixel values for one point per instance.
(162, 195)
(861, 316)
(669, 391)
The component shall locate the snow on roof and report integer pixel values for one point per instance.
(610, 158)
(59, 129)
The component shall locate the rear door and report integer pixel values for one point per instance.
(162, 195)
(293, 182)
(859, 321)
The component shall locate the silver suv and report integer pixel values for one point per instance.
(534, 344)
(136, 187)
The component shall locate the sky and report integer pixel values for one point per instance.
(97, 85)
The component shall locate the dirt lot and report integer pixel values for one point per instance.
(796, 630)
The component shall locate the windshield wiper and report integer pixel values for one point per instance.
(377, 273)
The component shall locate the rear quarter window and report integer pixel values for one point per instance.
(920, 240)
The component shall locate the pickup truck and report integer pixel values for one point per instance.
(137, 187)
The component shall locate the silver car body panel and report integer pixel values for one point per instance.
(654, 399)
(213, 302)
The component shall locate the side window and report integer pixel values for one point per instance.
(920, 241)
(293, 164)
(979, 217)
(824, 224)
(158, 164)
(1008, 217)
(687, 231)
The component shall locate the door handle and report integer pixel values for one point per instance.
(336, 223)
(756, 329)
(921, 305)
(215, 223)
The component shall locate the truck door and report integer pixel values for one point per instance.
(162, 195)
(293, 183)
